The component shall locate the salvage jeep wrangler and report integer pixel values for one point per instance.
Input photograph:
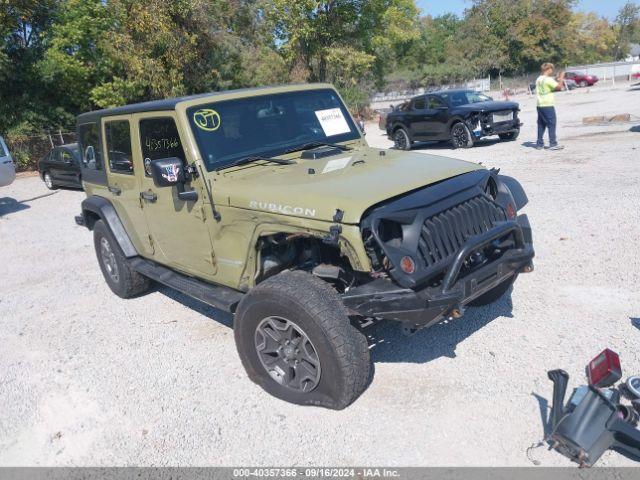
(268, 203)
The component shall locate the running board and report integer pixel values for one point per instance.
(217, 296)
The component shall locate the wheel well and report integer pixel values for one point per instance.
(90, 218)
(296, 251)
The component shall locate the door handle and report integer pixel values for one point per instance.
(149, 196)
(115, 190)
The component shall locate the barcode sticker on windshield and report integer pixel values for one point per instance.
(332, 121)
(337, 164)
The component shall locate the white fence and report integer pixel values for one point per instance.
(383, 99)
(606, 71)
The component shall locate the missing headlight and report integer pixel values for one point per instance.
(491, 188)
(390, 232)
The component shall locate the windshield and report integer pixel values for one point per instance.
(456, 99)
(268, 125)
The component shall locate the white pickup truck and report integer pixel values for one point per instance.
(7, 169)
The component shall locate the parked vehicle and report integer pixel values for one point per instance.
(635, 71)
(568, 85)
(461, 116)
(269, 203)
(7, 168)
(61, 167)
(582, 79)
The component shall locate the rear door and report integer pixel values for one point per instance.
(69, 170)
(416, 118)
(123, 170)
(178, 229)
(54, 165)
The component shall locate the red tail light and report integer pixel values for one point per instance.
(605, 369)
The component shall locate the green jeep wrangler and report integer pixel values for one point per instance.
(268, 203)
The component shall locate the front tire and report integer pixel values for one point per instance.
(295, 340)
(494, 294)
(121, 278)
(401, 139)
(509, 136)
(461, 136)
(583, 83)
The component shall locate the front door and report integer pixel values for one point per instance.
(178, 229)
(437, 116)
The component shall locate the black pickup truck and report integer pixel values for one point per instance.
(461, 116)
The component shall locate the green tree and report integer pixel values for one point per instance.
(74, 61)
(316, 37)
(23, 31)
(627, 24)
(592, 39)
(514, 36)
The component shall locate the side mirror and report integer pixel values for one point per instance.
(167, 172)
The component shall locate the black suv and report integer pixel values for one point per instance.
(461, 116)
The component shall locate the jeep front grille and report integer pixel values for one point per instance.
(444, 234)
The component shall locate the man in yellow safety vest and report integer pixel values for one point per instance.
(545, 86)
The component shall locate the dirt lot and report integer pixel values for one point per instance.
(89, 379)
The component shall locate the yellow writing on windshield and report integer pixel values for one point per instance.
(207, 119)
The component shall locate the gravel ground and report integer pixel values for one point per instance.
(89, 379)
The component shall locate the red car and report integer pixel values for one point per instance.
(582, 79)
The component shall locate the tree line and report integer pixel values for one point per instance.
(62, 57)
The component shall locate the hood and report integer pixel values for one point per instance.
(351, 181)
(492, 106)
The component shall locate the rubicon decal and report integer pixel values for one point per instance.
(283, 209)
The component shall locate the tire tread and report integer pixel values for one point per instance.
(323, 304)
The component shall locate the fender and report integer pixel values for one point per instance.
(94, 208)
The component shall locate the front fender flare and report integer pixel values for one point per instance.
(103, 208)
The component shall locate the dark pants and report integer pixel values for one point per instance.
(547, 120)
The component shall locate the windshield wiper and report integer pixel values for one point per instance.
(255, 158)
(310, 145)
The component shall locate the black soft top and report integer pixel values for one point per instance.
(160, 105)
(152, 106)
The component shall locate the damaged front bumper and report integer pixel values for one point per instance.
(418, 308)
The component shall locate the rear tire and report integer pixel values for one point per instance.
(295, 340)
(461, 136)
(121, 278)
(583, 83)
(509, 136)
(48, 181)
(401, 139)
(494, 294)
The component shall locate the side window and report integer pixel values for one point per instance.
(90, 146)
(159, 139)
(55, 155)
(435, 102)
(418, 103)
(118, 142)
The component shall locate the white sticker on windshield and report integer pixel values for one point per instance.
(332, 121)
(337, 164)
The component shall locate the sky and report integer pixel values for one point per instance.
(607, 8)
